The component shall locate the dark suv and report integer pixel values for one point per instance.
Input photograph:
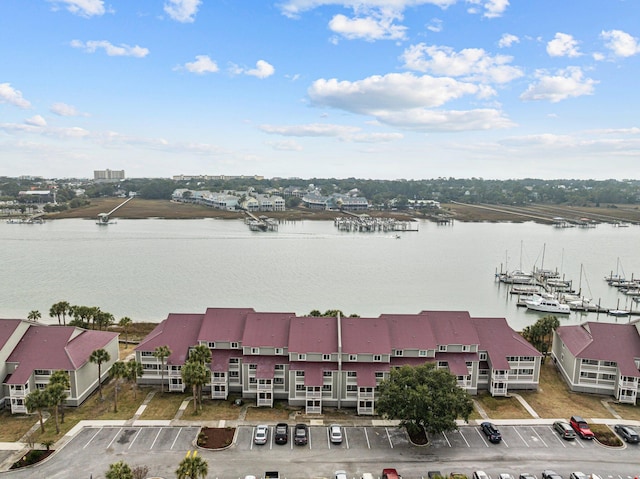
(300, 436)
(281, 433)
(491, 432)
(581, 427)
(627, 433)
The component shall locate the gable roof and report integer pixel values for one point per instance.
(267, 329)
(223, 324)
(452, 327)
(313, 335)
(500, 341)
(604, 342)
(410, 331)
(7, 328)
(54, 348)
(365, 335)
(179, 332)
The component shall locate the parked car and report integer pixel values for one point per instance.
(281, 433)
(340, 475)
(435, 475)
(480, 475)
(367, 475)
(578, 475)
(390, 473)
(491, 432)
(581, 427)
(549, 474)
(335, 434)
(301, 436)
(565, 430)
(627, 433)
(505, 475)
(527, 475)
(261, 435)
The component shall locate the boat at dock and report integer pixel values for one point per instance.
(547, 304)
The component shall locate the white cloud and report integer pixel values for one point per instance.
(375, 137)
(10, 95)
(293, 8)
(311, 129)
(202, 64)
(183, 11)
(491, 8)
(597, 56)
(36, 120)
(83, 8)
(507, 39)
(435, 25)
(620, 43)
(440, 120)
(472, 64)
(62, 109)
(121, 50)
(567, 83)
(263, 69)
(285, 145)
(563, 45)
(376, 26)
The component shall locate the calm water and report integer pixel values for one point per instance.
(146, 269)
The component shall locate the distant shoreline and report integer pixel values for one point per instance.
(164, 209)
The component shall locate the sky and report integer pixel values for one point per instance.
(379, 89)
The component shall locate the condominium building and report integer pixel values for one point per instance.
(108, 175)
(334, 361)
(30, 353)
(600, 358)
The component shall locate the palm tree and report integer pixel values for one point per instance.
(98, 357)
(119, 470)
(54, 311)
(37, 401)
(65, 308)
(55, 394)
(124, 323)
(196, 375)
(134, 371)
(34, 315)
(200, 354)
(162, 353)
(192, 467)
(118, 370)
(59, 379)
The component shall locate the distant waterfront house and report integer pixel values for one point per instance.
(333, 361)
(600, 358)
(30, 353)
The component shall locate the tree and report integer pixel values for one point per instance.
(34, 315)
(124, 323)
(192, 467)
(119, 470)
(162, 353)
(540, 334)
(61, 308)
(118, 371)
(200, 354)
(98, 357)
(196, 375)
(37, 401)
(134, 371)
(423, 398)
(57, 388)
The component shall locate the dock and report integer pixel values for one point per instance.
(368, 224)
(261, 223)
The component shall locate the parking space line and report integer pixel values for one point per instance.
(89, 441)
(328, 439)
(134, 438)
(346, 438)
(446, 438)
(114, 438)
(309, 438)
(156, 438)
(505, 442)
(174, 441)
(556, 436)
(366, 435)
(520, 436)
(388, 437)
(253, 434)
(485, 442)
(270, 437)
(539, 437)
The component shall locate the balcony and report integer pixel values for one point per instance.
(366, 395)
(313, 394)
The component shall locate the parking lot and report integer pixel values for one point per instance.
(136, 439)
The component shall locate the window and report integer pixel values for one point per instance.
(609, 377)
(512, 358)
(353, 357)
(326, 374)
(443, 364)
(326, 387)
(234, 374)
(326, 357)
(279, 367)
(234, 360)
(278, 381)
(255, 350)
(352, 374)
(398, 352)
(299, 374)
(40, 386)
(211, 345)
(235, 345)
(526, 372)
(146, 353)
(584, 374)
(468, 364)
(442, 348)
(253, 367)
(592, 362)
(302, 357)
(422, 353)
(279, 351)
(252, 381)
(219, 375)
(42, 372)
(609, 363)
(482, 356)
(352, 388)
(300, 387)
(526, 358)
(466, 348)
(377, 357)
(379, 375)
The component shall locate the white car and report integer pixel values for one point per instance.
(261, 435)
(480, 475)
(340, 474)
(335, 434)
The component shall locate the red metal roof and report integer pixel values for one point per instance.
(410, 331)
(7, 328)
(457, 362)
(179, 332)
(220, 358)
(604, 342)
(267, 329)
(452, 327)
(223, 324)
(500, 341)
(365, 335)
(366, 372)
(313, 371)
(54, 348)
(313, 335)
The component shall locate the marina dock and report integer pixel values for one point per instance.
(261, 223)
(368, 224)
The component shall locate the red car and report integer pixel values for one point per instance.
(581, 427)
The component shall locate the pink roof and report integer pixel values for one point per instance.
(7, 328)
(266, 365)
(366, 372)
(267, 329)
(604, 342)
(313, 335)
(220, 359)
(54, 348)
(365, 335)
(452, 327)
(223, 324)
(410, 331)
(457, 362)
(313, 371)
(500, 341)
(179, 332)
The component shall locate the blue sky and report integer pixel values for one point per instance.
(320, 88)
